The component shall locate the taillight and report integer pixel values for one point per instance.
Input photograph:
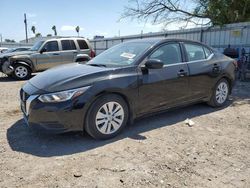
(235, 64)
(92, 54)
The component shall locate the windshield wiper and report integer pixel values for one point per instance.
(97, 65)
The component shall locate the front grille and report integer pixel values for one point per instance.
(26, 100)
(23, 95)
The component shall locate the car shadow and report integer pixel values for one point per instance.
(5, 78)
(21, 138)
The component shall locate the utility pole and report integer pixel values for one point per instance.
(1, 37)
(25, 23)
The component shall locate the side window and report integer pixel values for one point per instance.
(68, 45)
(82, 44)
(194, 52)
(168, 54)
(51, 46)
(207, 52)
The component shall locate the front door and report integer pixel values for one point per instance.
(165, 87)
(49, 57)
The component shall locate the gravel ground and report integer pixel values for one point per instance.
(158, 151)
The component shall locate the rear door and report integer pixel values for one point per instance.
(165, 87)
(50, 56)
(201, 69)
(83, 46)
(69, 51)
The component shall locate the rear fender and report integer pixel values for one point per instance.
(82, 58)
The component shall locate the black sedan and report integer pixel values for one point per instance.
(130, 80)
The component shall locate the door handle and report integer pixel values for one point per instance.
(74, 52)
(55, 54)
(182, 73)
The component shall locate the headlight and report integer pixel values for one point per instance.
(62, 95)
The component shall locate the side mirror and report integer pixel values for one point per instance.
(43, 50)
(154, 64)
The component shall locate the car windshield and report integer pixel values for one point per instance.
(36, 46)
(124, 54)
(10, 50)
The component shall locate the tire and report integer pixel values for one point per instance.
(100, 123)
(220, 93)
(21, 72)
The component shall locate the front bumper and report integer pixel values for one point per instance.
(53, 117)
(5, 67)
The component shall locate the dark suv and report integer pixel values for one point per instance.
(44, 55)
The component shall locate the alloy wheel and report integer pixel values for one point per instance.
(21, 71)
(221, 92)
(109, 117)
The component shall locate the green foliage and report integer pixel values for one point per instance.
(54, 29)
(38, 35)
(228, 11)
(33, 29)
(10, 40)
(215, 12)
(77, 30)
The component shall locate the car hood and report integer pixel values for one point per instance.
(68, 76)
(16, 53)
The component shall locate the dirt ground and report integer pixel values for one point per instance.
(158, 151)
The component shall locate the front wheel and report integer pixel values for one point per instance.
(106, 117)
(21, 72)
(220, 94)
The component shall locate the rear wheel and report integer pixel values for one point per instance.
(106, 117)
(21, 72)
(220, 94)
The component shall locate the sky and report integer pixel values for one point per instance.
(95, 17)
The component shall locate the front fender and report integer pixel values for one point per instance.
(25, 60)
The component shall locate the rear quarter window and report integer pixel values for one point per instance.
(82, 44)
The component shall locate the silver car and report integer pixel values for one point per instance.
(44, 55)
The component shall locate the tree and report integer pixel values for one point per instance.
(38, 35)
(54, 29)
(10, 40)
(78, 30)
(33, 29)
(200, 12)
(228, 11)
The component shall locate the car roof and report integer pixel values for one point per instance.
(156, 41)
(159, 40)
(66, 38)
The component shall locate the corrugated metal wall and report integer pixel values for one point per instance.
(237, 35)
(14, 45)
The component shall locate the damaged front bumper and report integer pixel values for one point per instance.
(6, 67)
